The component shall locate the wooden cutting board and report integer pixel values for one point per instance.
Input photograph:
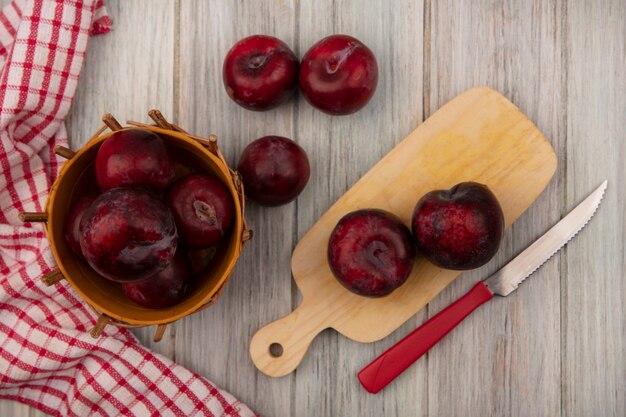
(478, 136)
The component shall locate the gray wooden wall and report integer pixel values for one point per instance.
(555, 347)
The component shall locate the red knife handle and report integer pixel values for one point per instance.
(400, 356)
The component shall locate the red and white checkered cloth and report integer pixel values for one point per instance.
(47, 358)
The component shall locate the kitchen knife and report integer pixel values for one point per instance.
(396, 359)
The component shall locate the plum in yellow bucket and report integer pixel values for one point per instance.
(212, 267)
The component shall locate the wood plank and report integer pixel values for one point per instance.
(15, 409)
(341, 150)
(593, 288)
(127, 82)
(215, 342)
(505, 358)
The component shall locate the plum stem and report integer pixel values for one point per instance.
(256, 61)
(205, 212)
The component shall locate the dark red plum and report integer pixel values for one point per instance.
(134, 157)
(338, 75)
(128, 234)
(203, 209)
(165, 288)
(460, 228)
(371, 252)
(274, 170)
(72, 223)
(260, 72)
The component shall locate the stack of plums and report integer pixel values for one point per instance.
(371, 252)
(142, 225)
(337, 75)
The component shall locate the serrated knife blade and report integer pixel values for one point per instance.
(396, 359)
(507, 279)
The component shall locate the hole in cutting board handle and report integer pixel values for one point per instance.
(276, 350)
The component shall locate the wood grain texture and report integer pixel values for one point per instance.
(593, 320)
(555, 347)
(505, 358)
(215, 341)
(478, 136)
(341, 150)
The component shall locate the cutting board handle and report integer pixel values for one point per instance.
(278, 348)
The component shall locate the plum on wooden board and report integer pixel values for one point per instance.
(72, 223)
(274, 170)
(460, 228)
(134, 157)
(338, 75)
(260, 72)
(203, 209)
(164, 289)
(371, 252)
(127, 234)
